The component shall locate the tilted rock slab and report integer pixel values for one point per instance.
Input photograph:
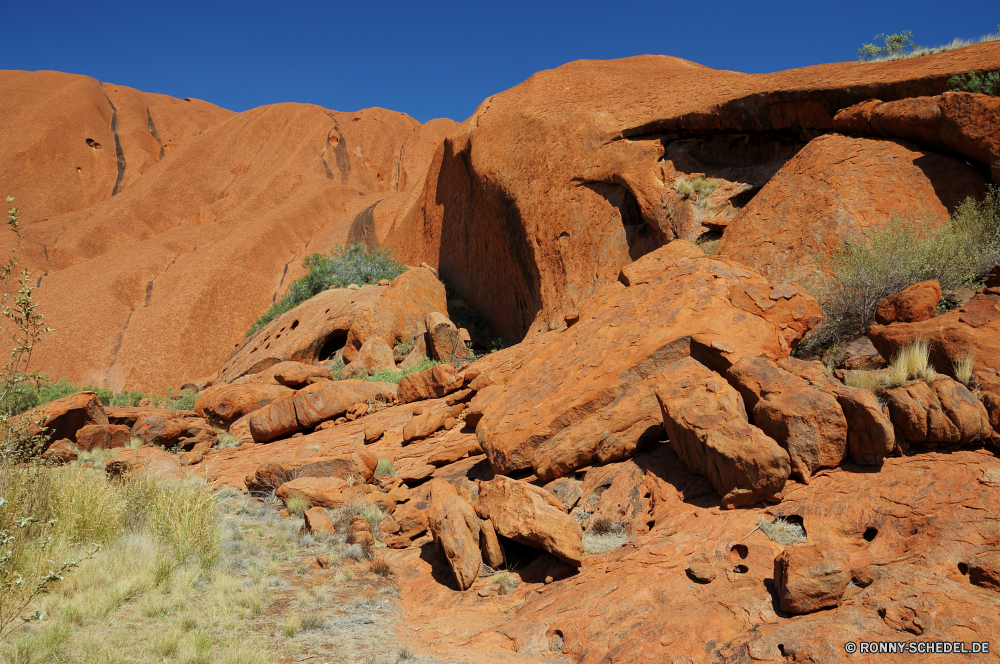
(944, 412)
(586, 395)
(455, 528)
(706, 423)
(531, 515)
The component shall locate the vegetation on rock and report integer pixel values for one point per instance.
(355, 265)
(898, 46)
(987, 84)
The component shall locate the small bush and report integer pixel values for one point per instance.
(507, 582)
(396, 375)
(225, 440)
(697, 189)
(355, 552)
(380, 567)
(310, 622)
(297, 504)
(355, 264)
(384, 468)
(987, 84)
(782, 531)
(603, 526)
(894, 46)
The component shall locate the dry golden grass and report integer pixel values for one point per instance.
(963, 368)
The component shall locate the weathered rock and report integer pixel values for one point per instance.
(63, 418)
(128, 415)
(954, 121)
(102, 437)
(228, 403)
(270, 476)
(836, 188)
(810, 577)
(275, 420)
(318, 522)
(158, 431)
(61, 452)
(531, 515)
(870, 434)
(399, 313)
(397, 541)
(297, 374)
(618, 494)
(325, 401)
(489, 545)
(150, 460)
(701, 568)
(658, 262)
(388, 526)
(483, 399)
(429, 421)
(375, 355)
(412, 521)
(445, 342)
(626, 335)
(373, 433)
(913, 304)
(706, 422)
(972, 329)
(566, 490)
(432, 383)
(942, 413)
(416, 355)
(455, 528)
(984, 571)
(807, 423)
(319, 491)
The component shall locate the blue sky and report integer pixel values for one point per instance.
(437, 59)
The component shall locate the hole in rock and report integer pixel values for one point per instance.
(739, 550)
(333, 342)
(798, 521)
(963, 568)
(94, 144)
(295, 324)
(870, 534)
(741, 569)
(741, 199)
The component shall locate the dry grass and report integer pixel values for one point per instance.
(384, 468)
(963, 368)
(783, 532)
(697, 189)
(297, 504)
(911, 362)
(507, 582)
(867, 380)
(380, 567)
(179, 589)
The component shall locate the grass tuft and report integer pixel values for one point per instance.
(782, 531)
(507, 582)
(697, 189)
(911, 362)
(297, 504)
(385, 468)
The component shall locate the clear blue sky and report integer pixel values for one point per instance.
(437, 59)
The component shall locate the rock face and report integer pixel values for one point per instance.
(806, 422)
(431, 383)
(228, 403)
(954, 121)
(809, 577)
(913, 304)
(455, 528)
(973, 328)
(837, 188)
(706, 423)
(527, 235)
(595, 385)
(341, 319)
(119, 228)
(530, 515)
(326, 401)
(102, 436)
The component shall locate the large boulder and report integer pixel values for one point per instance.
(808, 423)
(455, 528)
(152, 461)
(297, 374)
(375, 355)
(706, 422)
(270, 475)
(531, 515)
(398, 315)
(836, 189)
(158, 431)
(432, 383)
(325, 401)
(103, 437)
(444, 341)
(227, 403)
(943, 412)
(913, 304)
(596, 375)
(870, 434)
(810, 577)
(273, 421)
(63, 418)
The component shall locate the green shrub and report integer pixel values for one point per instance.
(355, 264)
(384, 468)
(396, 375)
(889, 258)
(987, 84)
(697, 189)
(894, 46)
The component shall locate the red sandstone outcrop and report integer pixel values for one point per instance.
(915, 303)
(63, 418)
(809, 578)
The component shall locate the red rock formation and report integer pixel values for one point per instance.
(836, 189)
(195, 243)
(527, 235)
(913, 304)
